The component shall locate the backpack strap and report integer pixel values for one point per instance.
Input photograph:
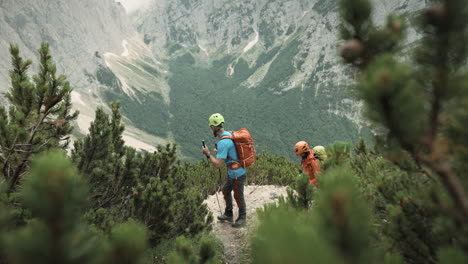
(234, 165)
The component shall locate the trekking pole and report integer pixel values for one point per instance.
(255, 173)
(217, 199)
(211, 172)
(219, 205)
(261, 181)
(219, 186)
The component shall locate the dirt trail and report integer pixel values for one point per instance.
(234, 239)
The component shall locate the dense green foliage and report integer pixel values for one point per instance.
(106, 77)
(204, 251)
(273, 169)
(410, 207)
(56, 196)
(148, 112)
(128, 184)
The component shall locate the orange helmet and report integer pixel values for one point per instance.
(301, 147)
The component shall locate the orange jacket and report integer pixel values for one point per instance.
(310, 165)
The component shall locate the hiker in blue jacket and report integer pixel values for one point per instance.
(227, 154)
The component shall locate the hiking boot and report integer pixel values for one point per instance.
(225, 217)
(239, 222)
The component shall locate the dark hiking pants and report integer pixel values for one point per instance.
(236, 185)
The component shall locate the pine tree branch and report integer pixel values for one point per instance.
(409, 170)
(438, 86)
(451, 182)
(422, 170)
(45, 143)
(443, 168)
(105, 202)
(434, 123)
(5, 164)
(20, 150)
(26, 155)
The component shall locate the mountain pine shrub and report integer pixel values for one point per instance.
(152, 188)
(56, 195)
(418, 105)
(39, 115)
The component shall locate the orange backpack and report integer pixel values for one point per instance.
(245, 148)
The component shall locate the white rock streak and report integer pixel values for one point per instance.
(76, 98)
(230, 70)
(132, 141)
(252, 43)
(125, 52)
(204, 50)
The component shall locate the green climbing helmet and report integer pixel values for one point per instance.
(320, 152)
(215, 119)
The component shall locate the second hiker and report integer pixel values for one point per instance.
(320, 154)
(227, 154)
(309, 162)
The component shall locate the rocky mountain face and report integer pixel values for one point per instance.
(75, 30)
(81, 34)
(268, 65)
